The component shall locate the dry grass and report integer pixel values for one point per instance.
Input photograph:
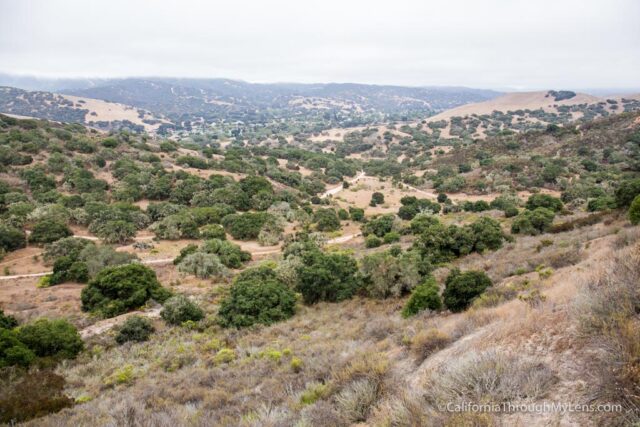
(360, 361)
(488, 377)
(607, 315)
(428, 341)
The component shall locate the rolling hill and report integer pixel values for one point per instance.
(186, 103)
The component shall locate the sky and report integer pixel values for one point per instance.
(498, 44)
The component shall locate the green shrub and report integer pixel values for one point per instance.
(326, 220)
(487, 234)
(48, 231)
(510, 211)
(69, 246)
(117, 231)
(57, 338)
(385, 274)
(135, 328)
(627, 192)
(213, 231)
(327, 277)
(533, 222)
(11, 238)
(116, 290)
(424, 296)
(343, 214)
(377, 198)
(544, 201)
(601, 203)
(356, 214)
(6, 321)
(65, 269)
(230, 254)
(391, 237)
(634, 211)
(245, 226)
(462, 288)
(408, 212)
(253, 300)
(179, 309)
(379, 225)
(13, 351)
(372, 241)
(202, 265)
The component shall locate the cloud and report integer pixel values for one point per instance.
(482, 43)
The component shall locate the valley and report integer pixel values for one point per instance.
(359, 275)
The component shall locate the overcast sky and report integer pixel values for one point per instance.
(501, 44)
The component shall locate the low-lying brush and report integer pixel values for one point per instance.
(491, 376)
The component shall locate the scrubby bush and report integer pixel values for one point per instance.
(601, 203)
(533, 222)
(408, 212)
(135, 328)
(117, 231)
(271, 232)
(256, 297)
(634, 211)
(379, 225)
(13, 351)
(66, 269)
(230, 254)
(202, 265)
(438, 243)
(327, 277)
(385, 274)
(69, 246)
(116, 290)
(627, 192)
(98, 257)
(487, 234)
(427, 342)
(425, 296)
(510, 211)
(57, 338)
(213, 231)
(411, 206)
(179, 309)
(544, 201)
(49, 230)
(462, 288)
(245, 226)
(372, 241)
(6, 321)
(177, 226)
(326, 220)
(30, 395)
(391, 237)
(377, 198)
(343, 214)
(11, 238)
(356, 214)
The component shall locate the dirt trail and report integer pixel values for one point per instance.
(256, 252)
(339, 188)
(104, 325)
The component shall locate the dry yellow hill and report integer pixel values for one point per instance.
(515, 101)
(104, 111)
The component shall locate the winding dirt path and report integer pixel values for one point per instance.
(341, 239)
(339, 188)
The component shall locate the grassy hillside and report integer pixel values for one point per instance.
(278, 279)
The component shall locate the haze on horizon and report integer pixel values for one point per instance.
(498, 44)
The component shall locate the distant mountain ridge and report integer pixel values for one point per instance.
(185, 102)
